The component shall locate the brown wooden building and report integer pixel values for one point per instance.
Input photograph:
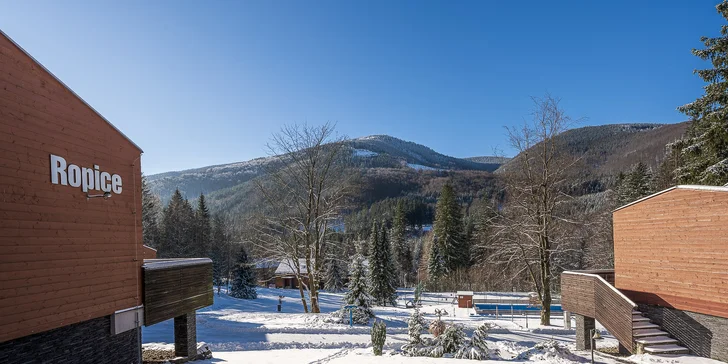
(669, 288)
(71, 250)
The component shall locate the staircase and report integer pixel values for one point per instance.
(649, 338)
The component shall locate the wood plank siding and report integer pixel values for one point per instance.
(63, 258)
(174, 287)
(589, 294)
(672, 250)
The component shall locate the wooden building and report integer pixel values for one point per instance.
(72, 259)
(285, 276)
(465, 299)
(668, 291)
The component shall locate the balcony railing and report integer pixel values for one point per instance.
(175, 287)
(592, 294)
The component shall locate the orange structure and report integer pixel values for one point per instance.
(668, 292)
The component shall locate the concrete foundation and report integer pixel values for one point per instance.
(584, 325)
(185, 335)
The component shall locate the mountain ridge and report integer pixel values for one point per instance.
(373, 151)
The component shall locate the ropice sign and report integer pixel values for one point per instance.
(86, 178)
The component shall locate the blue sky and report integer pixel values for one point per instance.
(196, 83)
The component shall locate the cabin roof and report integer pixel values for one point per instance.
(685, 187)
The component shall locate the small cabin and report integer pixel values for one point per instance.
(465, 299)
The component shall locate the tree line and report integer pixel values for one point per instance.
(179, 230)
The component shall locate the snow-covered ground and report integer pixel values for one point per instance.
(420, 167)
(252, 331)
(364, 153)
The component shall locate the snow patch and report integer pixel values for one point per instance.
(364, 153)
(420, 167)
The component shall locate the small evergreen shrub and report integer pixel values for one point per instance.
(452, 339)
(360, 316)
(477, 348)
(415, 325)
(379, 336)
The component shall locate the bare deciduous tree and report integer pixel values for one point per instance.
(305, 194)
(530, 230)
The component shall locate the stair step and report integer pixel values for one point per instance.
(636, 312)
(648, 332)
(644, 325)
(666, 349)
(655, 340)
(640, 319)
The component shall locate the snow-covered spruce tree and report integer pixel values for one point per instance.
(448, 231)
(358, 294)
(635, 184)
(202, 228)
(419, 288)
(379, 336)
(452, 339)
(151, 234)
(244, 282)
(333, 275)
(436, 267)
(415, 325)
(477, 348)
(382, 274)
(220, 252)
(400, 248)
(703, 153)
(177, 223)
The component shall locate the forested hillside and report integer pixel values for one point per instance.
(607, 150)
(386, 169)
(380, 152)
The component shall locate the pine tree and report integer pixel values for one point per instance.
(202, 229)
(244, 281)
(382, 274)
(452, 339)
(358, 293)
(448, 230)
(177, 231)
(334, 275)
(150, 212)
(477, 348)
(703, 153)
(379, 336)
(400, 248)
(636, 184)
(415, 325)
(436, 267)
(220, 252)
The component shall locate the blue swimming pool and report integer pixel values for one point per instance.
(505, 308)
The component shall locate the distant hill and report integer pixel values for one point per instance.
(387, 167)
(376, 152)
(607, 150)
(413, 155)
